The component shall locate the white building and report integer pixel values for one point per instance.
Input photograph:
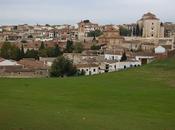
(113, 56)
(88, 69)
(47, 61)
(4, 62)
(112, 66)
(160, 50)
(144, 58)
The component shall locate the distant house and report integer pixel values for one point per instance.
(160, 50)
(144, 57)
(4, 62)
(113, 56)
(112, 66)
(111, 37)
(88, 69)
(47, 61)
(23, 68)
(9, 67)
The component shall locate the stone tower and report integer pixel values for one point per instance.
(151, 26)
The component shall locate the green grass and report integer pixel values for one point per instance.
(137, 99)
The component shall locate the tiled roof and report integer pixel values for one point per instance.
(32, 64)
(86, 65)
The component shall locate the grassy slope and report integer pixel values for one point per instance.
(136, 99)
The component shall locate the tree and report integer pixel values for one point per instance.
(24, 41)
(95, 33)
(32, 54)
(53, 51)
(43, 53)
(42, 50)
(57, 51)
(137, 30)
(22, 54)
(42, 46)
(78, 47)
(81, 73)
(30, 36)
(69, 47)
(141, 32)
(6, 50)
(18, 54)
(95, 47)
(62, 67)
(10, 51)
(124, 31)
(124, 57)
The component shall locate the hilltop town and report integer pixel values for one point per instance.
(93, 48)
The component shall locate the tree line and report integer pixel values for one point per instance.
(11, 51)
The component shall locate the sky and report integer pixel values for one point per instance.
(73, 11)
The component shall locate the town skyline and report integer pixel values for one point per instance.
(67, 12)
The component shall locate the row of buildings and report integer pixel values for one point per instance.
(149, 39)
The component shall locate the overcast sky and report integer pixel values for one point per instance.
(73, 11)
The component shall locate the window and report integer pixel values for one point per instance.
(94, 70)
(152, 23)
(152, 35)
(87, 70)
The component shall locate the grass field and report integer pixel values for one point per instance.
(137, 99)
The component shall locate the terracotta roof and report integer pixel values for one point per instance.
(32, 64)
(143, 54)
(167, 46)
(86, 65)
(114, 52)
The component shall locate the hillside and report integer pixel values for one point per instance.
(137, 99)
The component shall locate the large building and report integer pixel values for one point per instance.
(84, 27)
(111, 37)
(150, 26)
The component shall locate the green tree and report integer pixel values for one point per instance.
(30, 36)
(57, 51)
(53, 51)
(95, 33)
(42, 46)
(22, 54)
(10, 51)
(69, 47)
(95, 47)
(42, 50)
(78, 47)
(137, 30)
(124, 31)
(32, 54)
(62, 67)
(43, 53)
(124, 57)
(24, 41)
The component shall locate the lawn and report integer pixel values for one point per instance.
(136, 99)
